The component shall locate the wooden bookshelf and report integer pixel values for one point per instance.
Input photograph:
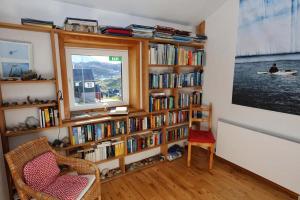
(92, 40)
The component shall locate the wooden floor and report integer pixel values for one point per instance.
(173, 180)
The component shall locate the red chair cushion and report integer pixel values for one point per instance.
(41, 171)
(201, 136)
(67, 187)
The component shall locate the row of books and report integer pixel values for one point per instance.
(177, 134)
(184, 99)
(168, 54)
(94, 132)
(162, 102)
(48, 117)
(139, 123)
(173, 80)
(103, 151)
(176, 117)
(189, 57)
(158, 120)
(140, 142)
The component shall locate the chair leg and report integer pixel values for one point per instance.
(189, 155)
(211, 156)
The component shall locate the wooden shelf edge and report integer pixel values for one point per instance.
(28, 106)
(108, 160)
(179, 140)
(18, 133)
(30, 81)
(143, 150)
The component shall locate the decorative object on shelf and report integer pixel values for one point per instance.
(60, 143)
(29, 75)
(32, 122)
(39, 23)
(15, 59)
(28, 101)
(81, 25)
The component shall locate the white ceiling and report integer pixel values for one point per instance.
(185, 12)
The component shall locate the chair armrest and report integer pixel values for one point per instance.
(81, 166)
(30, 192)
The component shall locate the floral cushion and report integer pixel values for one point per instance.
(67, 187)
(40, 172)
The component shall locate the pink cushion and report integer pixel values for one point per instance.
(41, 171)
(67, 187)
(201, 136)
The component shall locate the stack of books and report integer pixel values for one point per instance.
(200, 38)
(140, 142)
(94, 132)
(177, 134)
(39, 23)
(178, 117)
(48, 117)
(159, 101)
(184, 99)
(166, 80)
(141, 31)
(81, 25)
(117, 31)
(139, 124)
(164, 33)
(103, 151)
(189, 79)
(182, 36)
(163, 54)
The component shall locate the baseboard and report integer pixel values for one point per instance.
(252, 174)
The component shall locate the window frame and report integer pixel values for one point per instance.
(69, 51)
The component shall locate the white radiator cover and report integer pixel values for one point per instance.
(273, 158)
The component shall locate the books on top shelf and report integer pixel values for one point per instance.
(184, 99)
(177, 134)
(161, 102)
(176, 117)
(35, 22)
(48, 117)
(81, 25)
(141, 31)
(117, 31)
(94, 132)
(168, 54)
(103, 151)
(140, 142)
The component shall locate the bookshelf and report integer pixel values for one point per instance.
(141, 110)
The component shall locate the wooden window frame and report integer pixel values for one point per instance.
(96, 41)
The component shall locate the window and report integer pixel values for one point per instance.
(97, 78)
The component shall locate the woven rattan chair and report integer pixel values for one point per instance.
(18, 157)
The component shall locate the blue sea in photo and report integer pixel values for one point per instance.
(267, 91)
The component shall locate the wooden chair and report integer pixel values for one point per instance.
(18, 157)
(200, 138)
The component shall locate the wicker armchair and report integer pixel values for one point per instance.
(18, 157)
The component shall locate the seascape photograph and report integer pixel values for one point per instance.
(267, 62)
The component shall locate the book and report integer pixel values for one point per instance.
(35, 22)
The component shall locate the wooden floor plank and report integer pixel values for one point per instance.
(173, 180)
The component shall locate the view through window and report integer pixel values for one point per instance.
(97, 79)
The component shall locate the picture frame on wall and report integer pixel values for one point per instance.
(16, 58)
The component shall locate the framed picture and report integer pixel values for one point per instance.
(15, 58)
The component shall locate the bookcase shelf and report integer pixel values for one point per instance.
(29, 131)
(2, 82)
(10, 107)
(179, 88)
(178, 140)
(145, 149)
(144, 131)
(109, 159)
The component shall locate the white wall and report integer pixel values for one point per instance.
(12, 11)
(221, 28)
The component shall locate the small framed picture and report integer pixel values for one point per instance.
(15, 58)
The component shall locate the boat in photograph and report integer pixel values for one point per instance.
(281, 72)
